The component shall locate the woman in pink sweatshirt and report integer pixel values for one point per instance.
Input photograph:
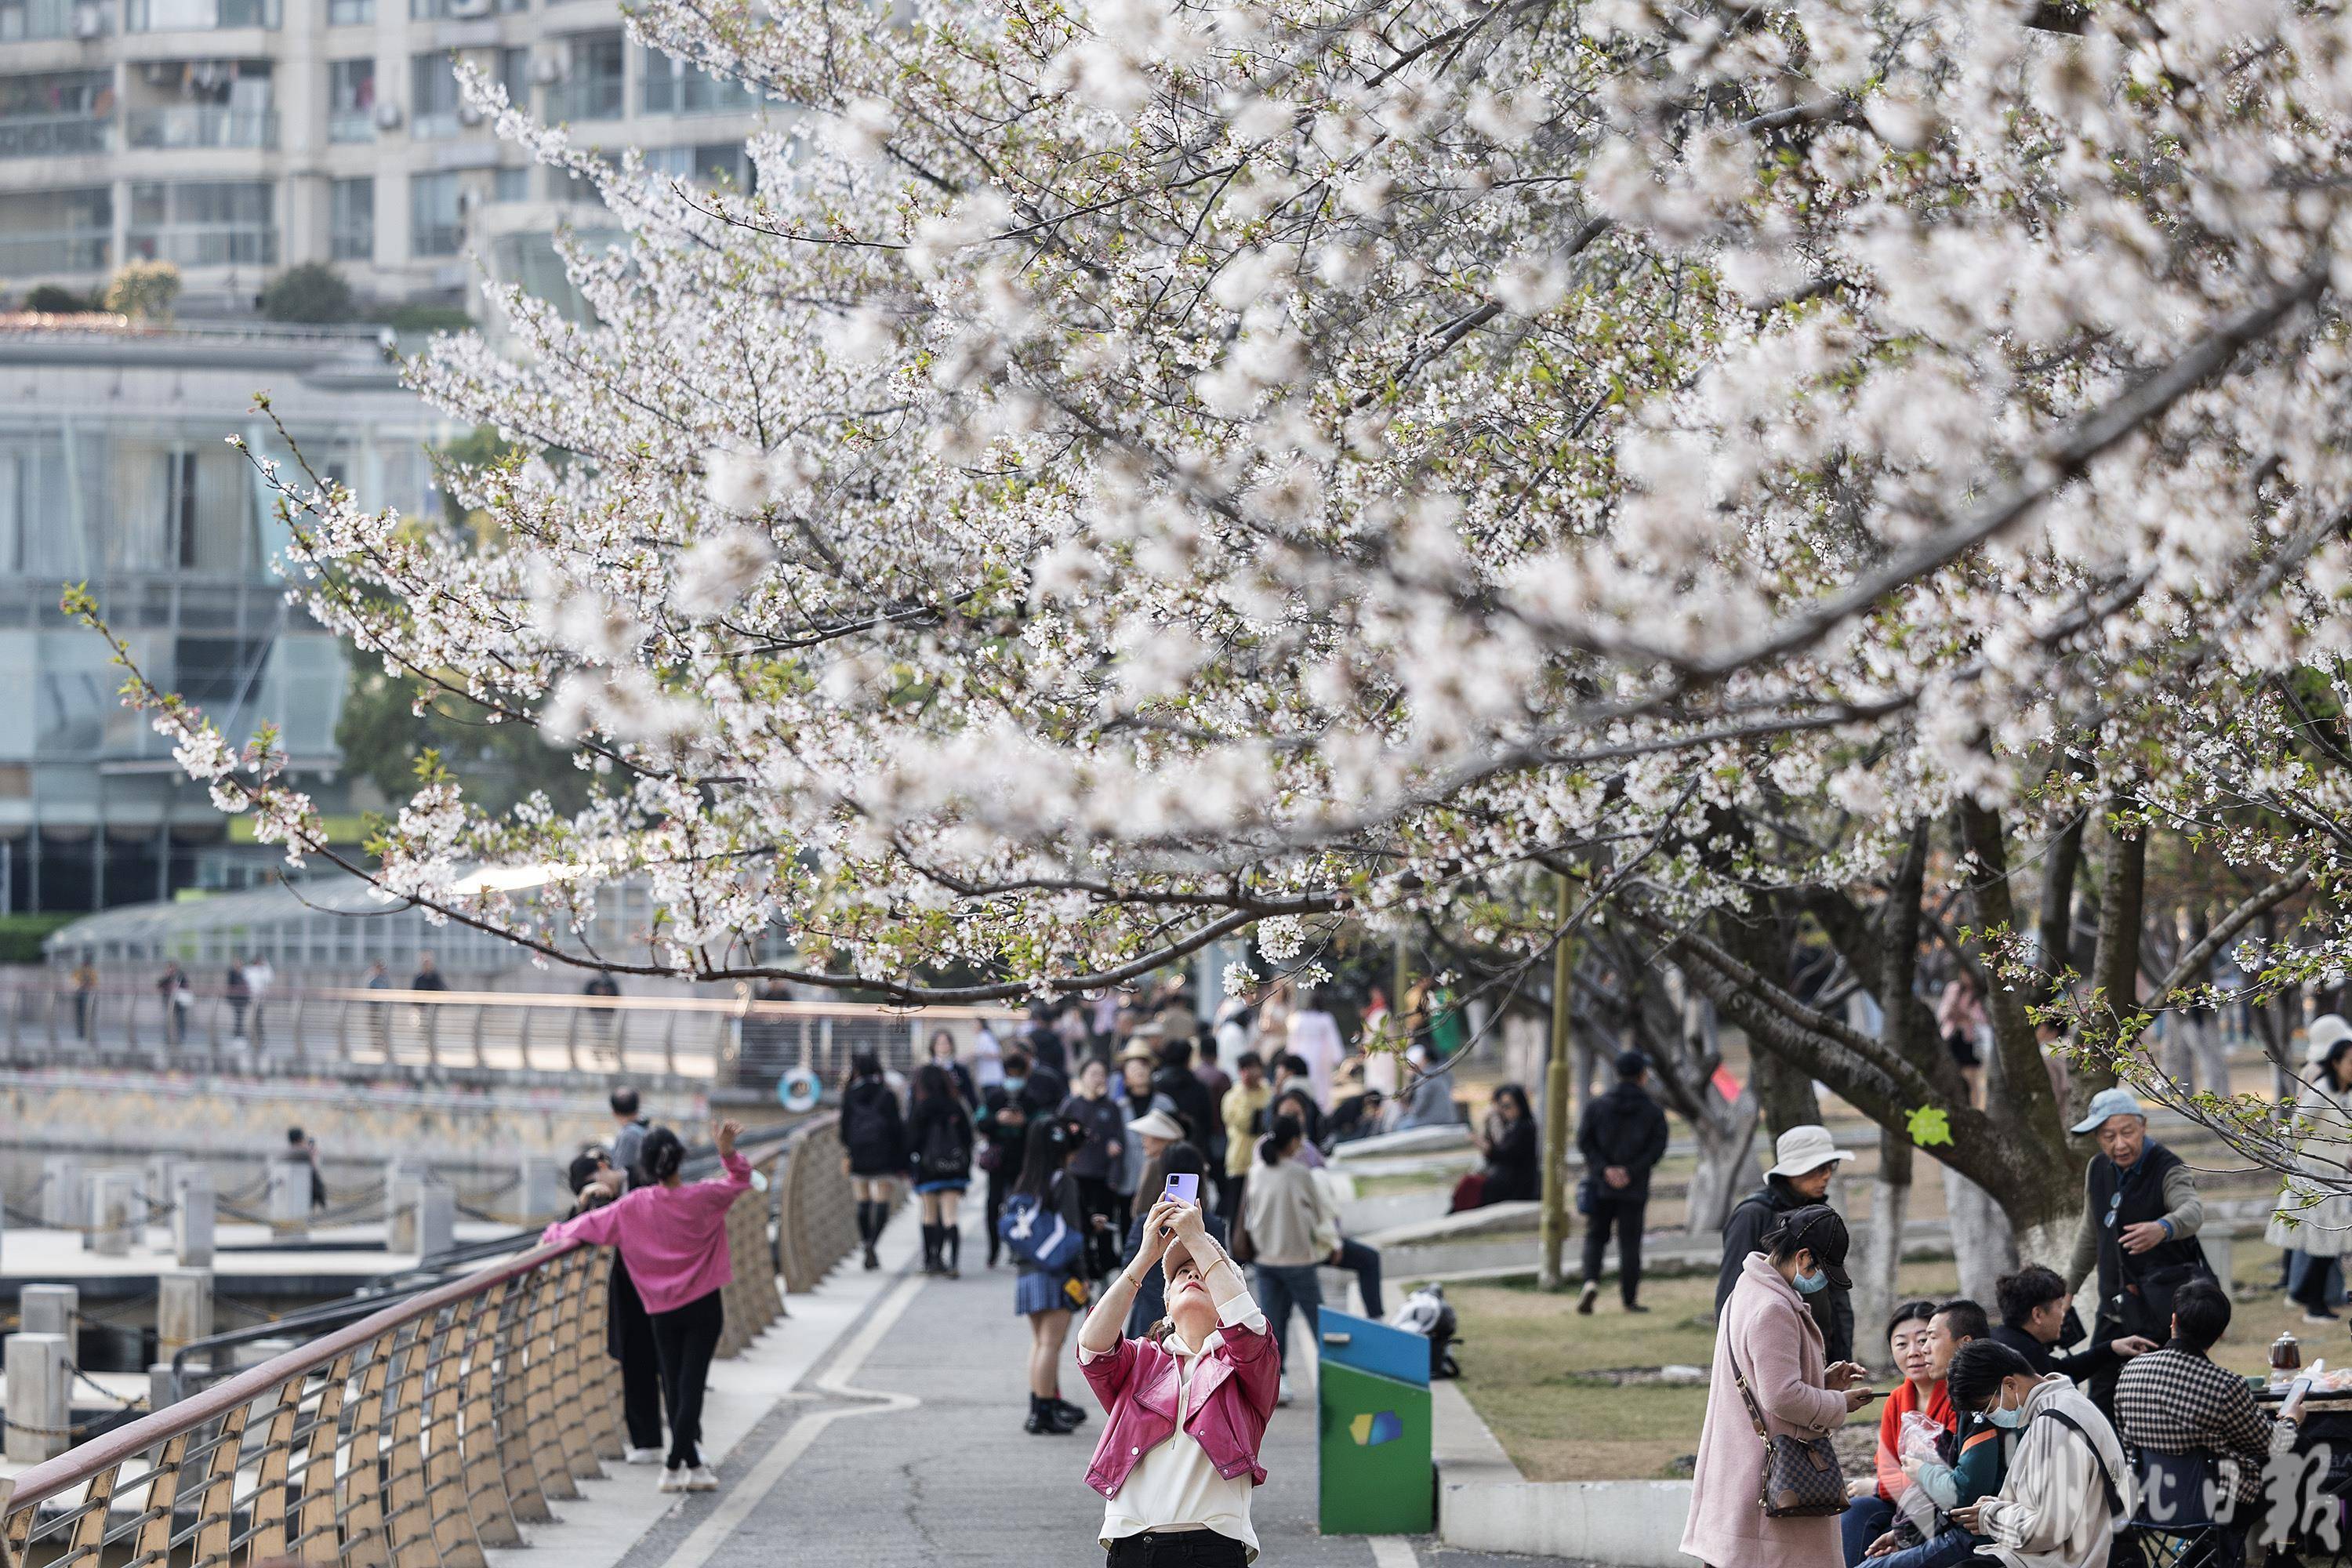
(673, 1239)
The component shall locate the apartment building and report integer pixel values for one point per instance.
(235, 138)
(114, 471)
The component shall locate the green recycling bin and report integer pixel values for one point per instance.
(1372, 1402)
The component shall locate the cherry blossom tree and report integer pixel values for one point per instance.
(1142, 472)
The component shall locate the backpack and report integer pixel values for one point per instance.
(945, 1155)
(1038, 1236)
(865, 1122)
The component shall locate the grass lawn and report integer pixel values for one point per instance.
(1529, 1364)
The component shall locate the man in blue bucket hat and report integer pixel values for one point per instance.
(2140, 1217)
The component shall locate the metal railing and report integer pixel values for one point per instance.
(55, 135)
(413, 1439)
(200, 125)
(736, 1042)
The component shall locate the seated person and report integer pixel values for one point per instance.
(1875, 1499)
(2033, 1323)
(2067, 1489)
(1354, 1117)
(2176, 1401)
(1966, 1463)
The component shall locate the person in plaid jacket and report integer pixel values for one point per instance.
(2176, 1401)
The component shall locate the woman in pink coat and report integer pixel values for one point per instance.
(1769, 1336)
(672, 1240)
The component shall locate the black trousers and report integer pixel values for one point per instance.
(1177, 1549)
(1096, 1198)
(684, 1339)
(1000, 1183)
(629, 1340)
(1625, 1217)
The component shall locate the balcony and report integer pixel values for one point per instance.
(585, 98)
(64, 252)
(207, 245)
(55, 135)
(351, 125)
(201, 125)
(28, 21)
(198, 15)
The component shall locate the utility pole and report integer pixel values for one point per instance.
(1555, 1125)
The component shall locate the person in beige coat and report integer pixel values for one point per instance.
(1766, 1332)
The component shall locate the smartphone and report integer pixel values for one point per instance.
(1185, 1188)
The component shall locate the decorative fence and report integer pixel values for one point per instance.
(418, 1437)
(738, 1041)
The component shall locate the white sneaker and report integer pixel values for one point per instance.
(701, 1479)
(673, 1479)
(1281, 1395)
(641, 1455)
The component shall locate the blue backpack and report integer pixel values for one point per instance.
(1039, 1235)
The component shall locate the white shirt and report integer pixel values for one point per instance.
(1175, 1483)
(1315, 1038)
(987, 1059)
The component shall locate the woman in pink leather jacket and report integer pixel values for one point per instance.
(1188, 1404)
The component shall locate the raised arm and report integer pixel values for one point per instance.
(600, 1225)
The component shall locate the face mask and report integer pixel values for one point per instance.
(1811, 1284)
(1015, 1085)
(2000, 1415)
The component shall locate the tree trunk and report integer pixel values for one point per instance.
(2115, 966)
(1983, 1244)
(1784, 1091)
(1876, 1289)
(1728, 1166)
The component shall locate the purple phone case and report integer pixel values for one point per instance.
(1184, 1186)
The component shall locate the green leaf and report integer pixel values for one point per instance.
(1929, 1125)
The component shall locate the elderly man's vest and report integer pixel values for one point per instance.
(2135, 1289)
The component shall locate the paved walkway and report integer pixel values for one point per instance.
(904, 1446)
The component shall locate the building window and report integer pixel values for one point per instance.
(714, 163)
(514, 75)
(432, 97)
(351, 220)
(435, 223)
(197, 15)
(350, 101)
(212, 104)
(674, 87)
(56, 114)
(57, 231)
(591, 85)
(351, 13)
(461, 10)
(513, 185)
(22, 21)
(206, 223)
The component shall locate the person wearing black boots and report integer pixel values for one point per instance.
(939, 1142)
(874, 1146)
(1047, 1226)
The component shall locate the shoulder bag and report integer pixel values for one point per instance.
(1801, 1478)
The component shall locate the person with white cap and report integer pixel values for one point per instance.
(2140, 1218)
(1804, 1159)
(2313, 1223)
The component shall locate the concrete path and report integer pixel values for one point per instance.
(904, 1446)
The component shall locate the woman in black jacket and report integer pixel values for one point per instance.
(874, 1145)
(1100, 1158)
(1004, 1136)
(1514, 1158)
(939, 1142)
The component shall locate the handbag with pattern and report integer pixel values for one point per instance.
(1801, 1478)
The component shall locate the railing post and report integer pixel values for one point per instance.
(451, 1525)
(302, 1053)
(541, 1418)
(183, 1309)
(362, 1510)
(669, 1044)
(571, 1368)
(486, 1495)
(320, 1522)
(267, 1539)
(526, 1498)
(215, 1502)
(481, 1017)
(407, 1520)
(37, 1411)
(602, 1382)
